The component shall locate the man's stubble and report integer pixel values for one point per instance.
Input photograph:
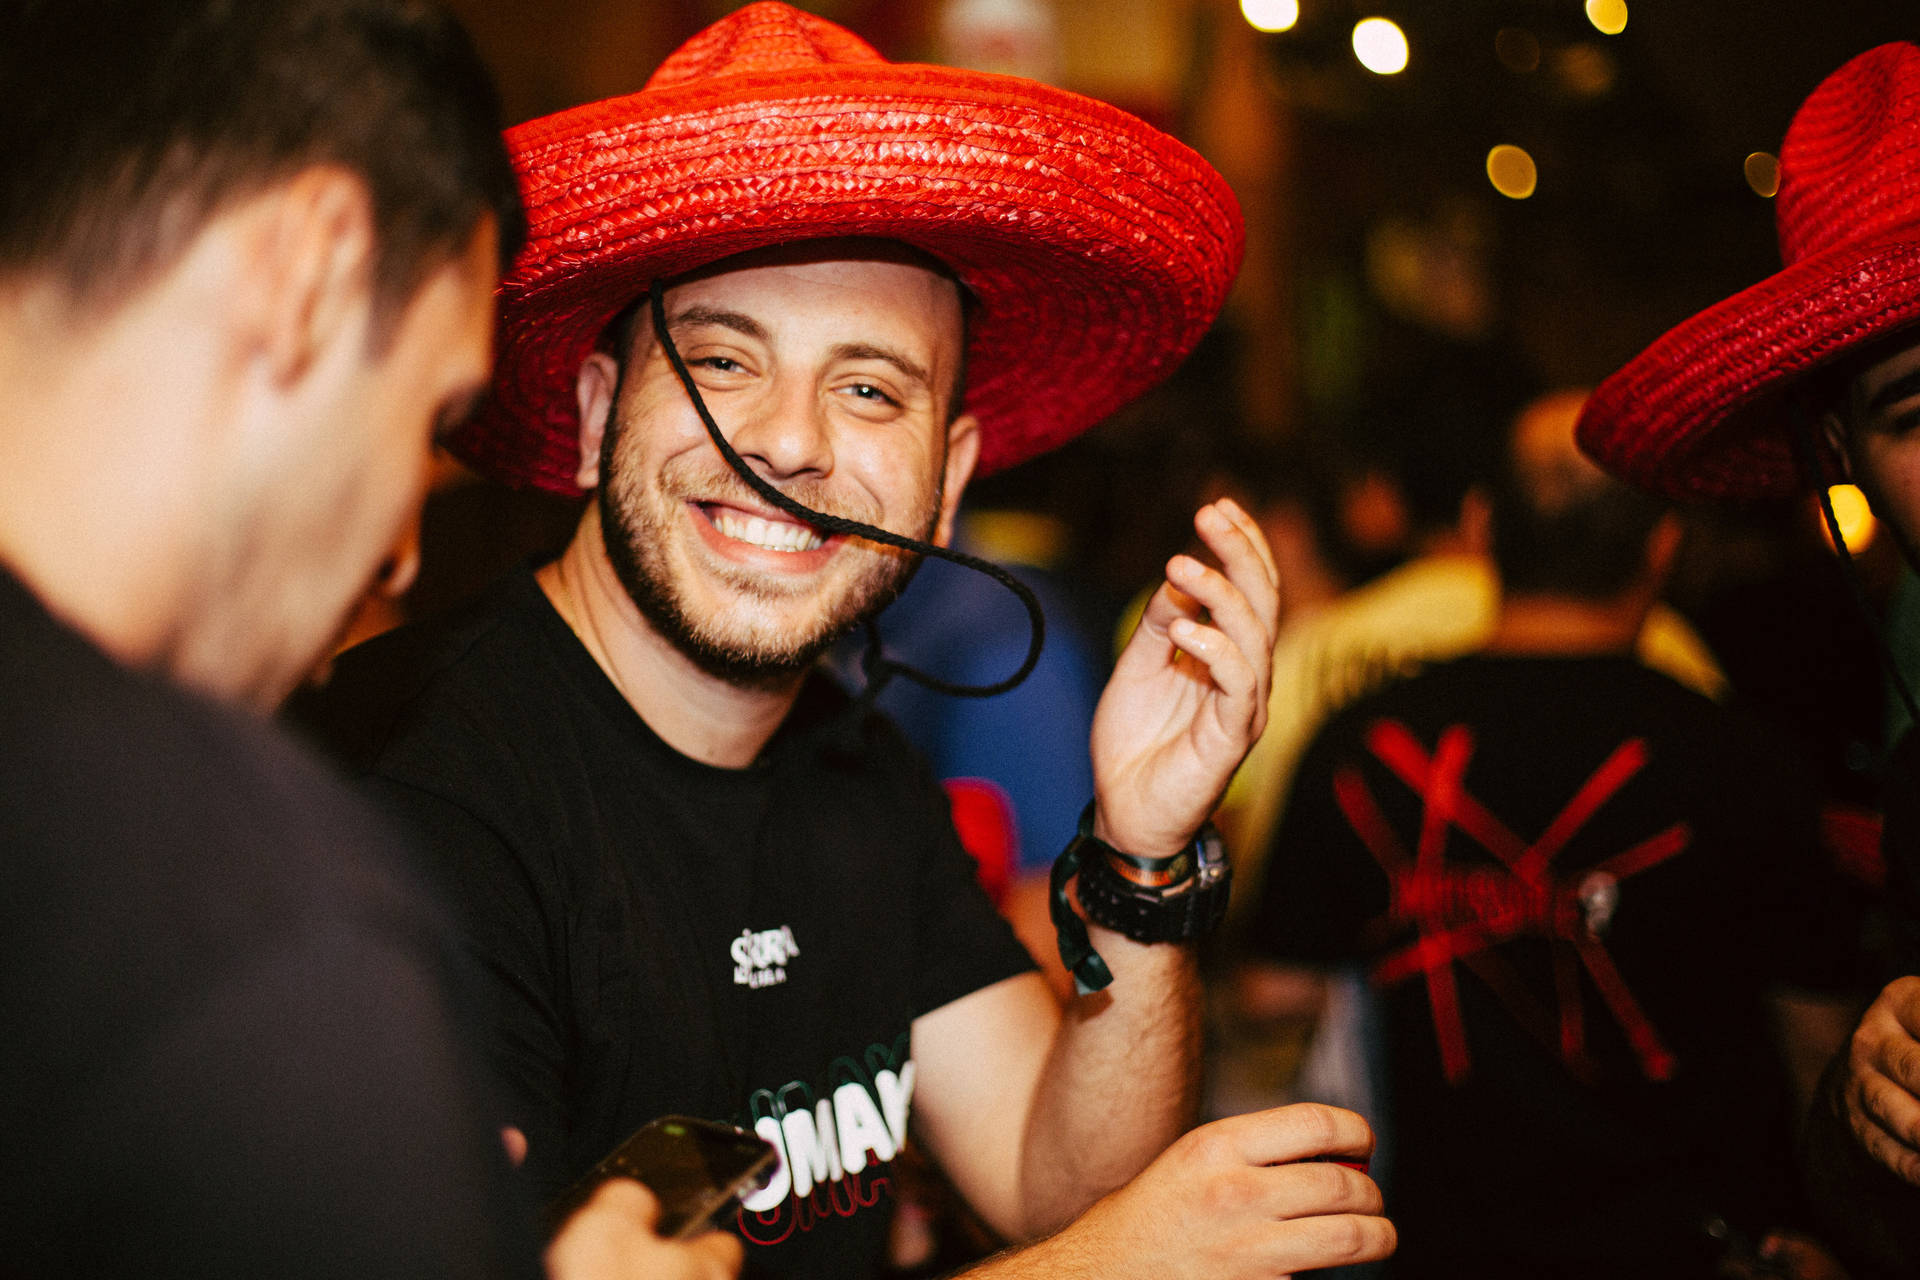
(636, 527)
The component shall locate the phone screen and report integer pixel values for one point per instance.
(695, 1167)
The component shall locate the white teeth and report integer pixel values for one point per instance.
(773, 535)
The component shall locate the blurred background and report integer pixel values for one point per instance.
(1495, 189)
(1452, 206)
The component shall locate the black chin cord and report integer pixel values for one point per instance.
(879, 668)
(1807, 454)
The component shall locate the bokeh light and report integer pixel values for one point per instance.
(1270, 15)
(1517, 49)
(1609, 17)
(1857, 524)
(1380, 45)
(1763, 173)
(1585, 69)
(1512, 171)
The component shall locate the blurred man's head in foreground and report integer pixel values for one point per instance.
(247, 251)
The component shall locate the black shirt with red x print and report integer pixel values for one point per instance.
(1573, 883)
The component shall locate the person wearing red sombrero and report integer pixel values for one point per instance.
(775, 309)
(1808, 378)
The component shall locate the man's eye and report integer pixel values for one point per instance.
(719, 364)
(867, 391)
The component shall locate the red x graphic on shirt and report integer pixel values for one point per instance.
(1463, 913)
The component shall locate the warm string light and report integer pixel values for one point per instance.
(1380, 45)
(1270, 15)
(1609, 17)
(1512, 171)
(1850, 510)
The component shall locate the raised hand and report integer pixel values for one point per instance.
(1188, 696)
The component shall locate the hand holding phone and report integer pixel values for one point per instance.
(614, 1237)
(695, 1168)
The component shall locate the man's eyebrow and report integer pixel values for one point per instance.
(742, 324)
(867, 351)
(1907, 384)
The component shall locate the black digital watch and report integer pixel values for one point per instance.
(1169, 899)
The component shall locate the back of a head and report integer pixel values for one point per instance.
(132, 123)
(1561, 526)
(1435, 427)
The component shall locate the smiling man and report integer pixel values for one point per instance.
(1810, 377)
(777, 308)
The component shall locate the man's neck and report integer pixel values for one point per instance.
(697, 713)
(112, 554)
(1562, 626)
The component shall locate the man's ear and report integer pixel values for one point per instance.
(963, 452)
(311, 266)
(593, 391)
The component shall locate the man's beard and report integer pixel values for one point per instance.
(636, 528)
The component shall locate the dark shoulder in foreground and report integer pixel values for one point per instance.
(370, 688)
(230, 1044)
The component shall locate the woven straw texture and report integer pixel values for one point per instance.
(1702, 413)
(1099, 249)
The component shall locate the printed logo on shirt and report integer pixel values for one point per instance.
(760, 959)
(1466, 915)
(835, 1143)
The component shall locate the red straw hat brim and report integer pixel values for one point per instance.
(1703, 413)
(1098, 248)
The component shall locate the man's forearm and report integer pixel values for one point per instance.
(1121, 1082)
(1239, 1199)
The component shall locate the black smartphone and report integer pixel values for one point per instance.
(696, 1168)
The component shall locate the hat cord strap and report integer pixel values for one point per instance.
(1806, 453)
(878, 668)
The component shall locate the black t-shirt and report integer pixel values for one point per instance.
(1575, 882)
(1900, 846)
(227, 1038)
(667, 937)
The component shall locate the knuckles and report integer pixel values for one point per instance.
(1317, 1126)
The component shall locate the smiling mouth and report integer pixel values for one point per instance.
(758, 531)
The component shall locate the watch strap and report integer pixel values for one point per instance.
(1174, 898)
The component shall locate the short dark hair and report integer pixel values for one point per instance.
(131, 123)
(1563, 527)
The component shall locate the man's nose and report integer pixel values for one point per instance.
(786, 436)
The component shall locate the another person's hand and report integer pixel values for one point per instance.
(612, 1237)
(1876, 1091)
(1188, 695)
(1238, 1197)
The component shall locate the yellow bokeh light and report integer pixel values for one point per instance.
(1270, 15)
(1380, 45)
(1857, 524)
(1609, 17)
(1511, 171)
(1763, 173)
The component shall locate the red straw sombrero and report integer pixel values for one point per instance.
(1702, 413)
(1099, 249)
